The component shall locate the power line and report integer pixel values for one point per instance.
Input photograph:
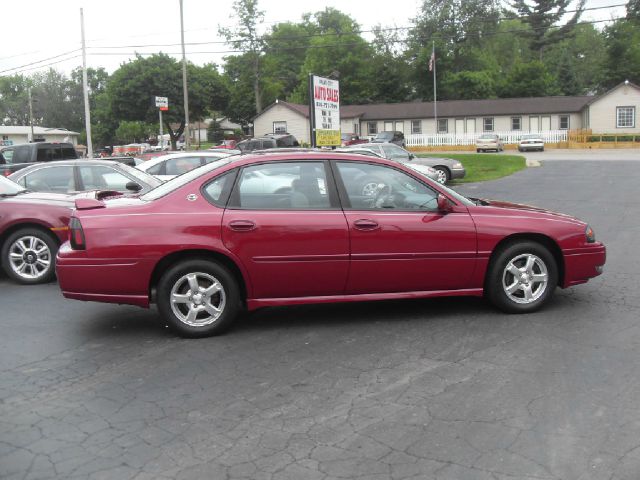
(40, 61)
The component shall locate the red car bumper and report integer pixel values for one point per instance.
(583, 263)
(123, 281)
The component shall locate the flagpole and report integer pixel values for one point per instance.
(435, 97)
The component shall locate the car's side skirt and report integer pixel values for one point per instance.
(255, 303)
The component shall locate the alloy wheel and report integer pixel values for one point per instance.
(525, 278)
(197, 299)
(30, 257)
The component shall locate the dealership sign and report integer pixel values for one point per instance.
(325, 111)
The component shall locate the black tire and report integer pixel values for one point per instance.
(444, 175)
(498, 277)
(478, 150)
(542, 149)
(33, 258)
(228, 299)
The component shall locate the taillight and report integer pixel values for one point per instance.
(6, 173)
(76, 235)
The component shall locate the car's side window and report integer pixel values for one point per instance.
(393, 151)
(103, 178)
(8, 155)
(217, 191)
(283, 186)
(178, 166)
(155, 170)
(378, 187)
(51, 179)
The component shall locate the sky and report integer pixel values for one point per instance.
(115, 29)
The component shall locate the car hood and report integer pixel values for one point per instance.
(518, 208)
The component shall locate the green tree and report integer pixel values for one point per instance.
(245, 37)
(623, 53)
(391, 74)
(133, 131)
(543, 18)
(285, 51)
(131, 88)
(529, 79)
(215, 134)
(14, 100)
(337, 48)
(469, 85)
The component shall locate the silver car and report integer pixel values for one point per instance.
(445, 168)
(531, 141)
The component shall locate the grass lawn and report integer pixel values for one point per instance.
(483, 166)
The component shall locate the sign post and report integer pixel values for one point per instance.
(324, 111)
(163, 105)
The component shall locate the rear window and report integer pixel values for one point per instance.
(48, 153)
(68, 153)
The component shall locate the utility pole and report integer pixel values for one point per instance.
(85, 90)
(30, 113)
(187, 140)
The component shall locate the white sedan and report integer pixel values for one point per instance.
(165, 167)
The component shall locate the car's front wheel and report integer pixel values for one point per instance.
(198, 298)
(28, 256)
(522, 277)
(443, 174)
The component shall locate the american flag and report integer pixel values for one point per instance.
(432, 60)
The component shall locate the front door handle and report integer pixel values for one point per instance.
(242, 225)
(365, 225)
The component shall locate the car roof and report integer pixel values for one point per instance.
(195, 153)
(293, 154)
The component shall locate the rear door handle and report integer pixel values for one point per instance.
(242, 225)
(365, 225)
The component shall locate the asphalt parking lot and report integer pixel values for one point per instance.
(430, 389)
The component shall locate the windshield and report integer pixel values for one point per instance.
(527, 137)
(487, 137)
(142, 176)
(7, 187)
(181, 180)
(420, 169)
(385, 135)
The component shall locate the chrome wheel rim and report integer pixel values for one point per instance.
(197, 299)
(30, 257)
(442, 176)
(525, 278)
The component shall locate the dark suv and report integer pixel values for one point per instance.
(390, 137)
(271, 140)
(16, 157)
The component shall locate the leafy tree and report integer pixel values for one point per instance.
(529, 79)
(245, 37)
(133, 131)
(131, 88)
(457, 27)
(285, 51)
(543, 17)
(633, 10)
(469, 85)
(391, 73)
(215, 134)
(623, 53)
(14, 101)
(337, 47)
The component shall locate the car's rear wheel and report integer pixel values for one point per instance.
(198, 298)
(478, 150)
(443, 174)
(522, 277)
(28, 256)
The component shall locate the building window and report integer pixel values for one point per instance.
(443, 125)
(5, 137)
(626, 117)
(356, 128)
(416, 126)
(487, 124)
(516, 123)
(279, 127)
(564, 122)
(372, 128)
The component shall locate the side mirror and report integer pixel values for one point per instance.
(133, 186)
(444, 205)
(411, 156)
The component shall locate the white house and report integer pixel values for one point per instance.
(612, 112)
(11, 135)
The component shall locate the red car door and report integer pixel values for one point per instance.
(284, 223)
(399, 240)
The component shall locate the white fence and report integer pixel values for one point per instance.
(513, 136)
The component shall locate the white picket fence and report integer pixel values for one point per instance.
(512, 136)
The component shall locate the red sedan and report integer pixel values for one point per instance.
(309, 227)
(32, 227)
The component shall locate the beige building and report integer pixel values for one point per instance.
(612, 112)
(13, 135)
